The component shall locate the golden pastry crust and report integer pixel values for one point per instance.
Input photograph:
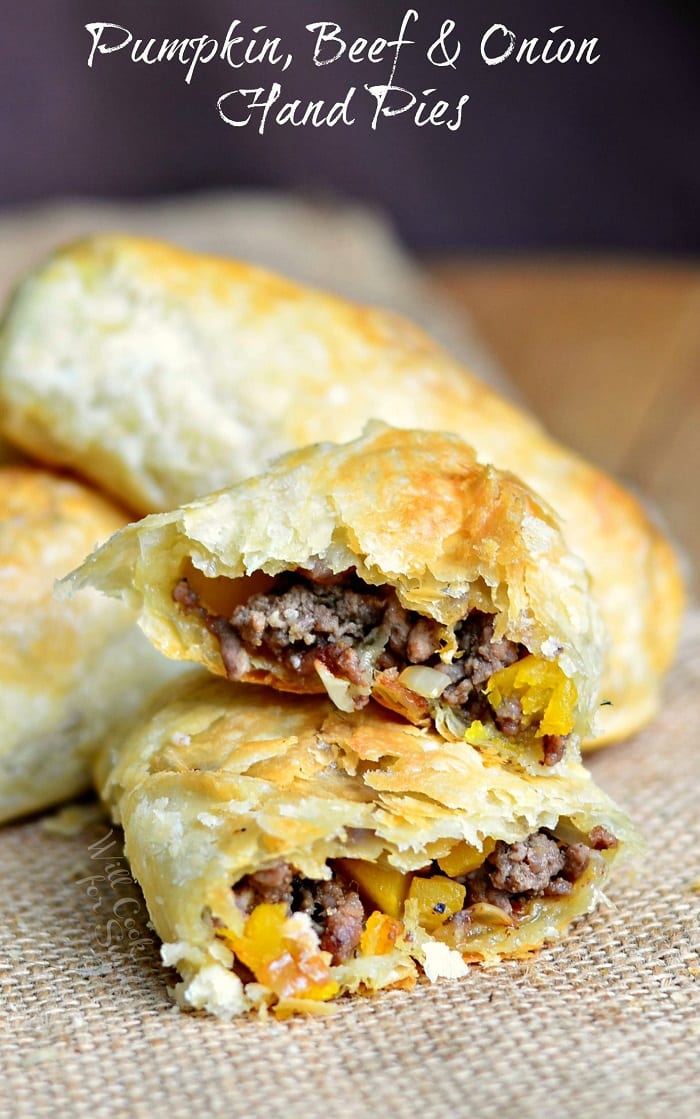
(70, 673)
(163, 375)
(409, 510)
(224, 781)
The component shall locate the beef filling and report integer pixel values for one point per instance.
(317, 616)
(336, 911)
(539, 866)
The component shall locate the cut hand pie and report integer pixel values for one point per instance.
(394, 566)
(163, 375)
(289, 852)
(70, 673)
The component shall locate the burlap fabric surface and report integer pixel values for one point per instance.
(606, 1024)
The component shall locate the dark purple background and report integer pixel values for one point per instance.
(573, 156)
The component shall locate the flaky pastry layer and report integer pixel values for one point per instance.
(225, 784)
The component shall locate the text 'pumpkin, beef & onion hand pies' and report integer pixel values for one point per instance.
(70, 673)
(394, 566)
(163, 375)
(290, 852)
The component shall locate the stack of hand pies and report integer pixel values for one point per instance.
(375, 770)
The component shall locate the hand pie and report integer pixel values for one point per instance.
(394, 566)
(163, 375)
(70, 673)
(290, 853)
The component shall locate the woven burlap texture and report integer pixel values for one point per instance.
(605, 1024)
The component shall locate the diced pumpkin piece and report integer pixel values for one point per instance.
(484, 734)
(558, 717)
(437, 898)
(464, 858)
(546, 694)
(382, 886)
(220, 594)
(283, 953)
(380, 934)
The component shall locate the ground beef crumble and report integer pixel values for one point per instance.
(554, 748)
(601, 838)
(539, 866)
(337, 914)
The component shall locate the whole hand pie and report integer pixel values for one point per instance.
(395, 567)
(290, 852)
